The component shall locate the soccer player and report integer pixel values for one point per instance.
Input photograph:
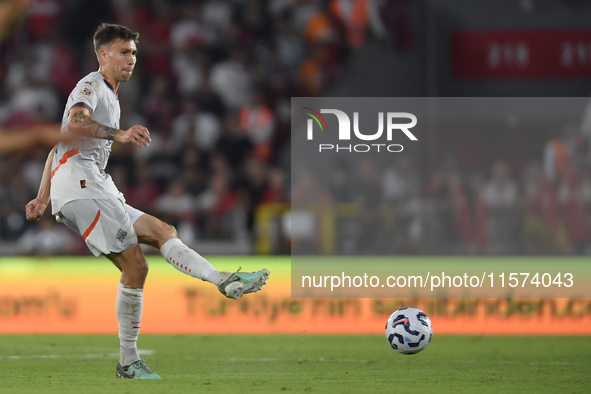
(86, 199)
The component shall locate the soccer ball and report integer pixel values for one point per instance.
(408, 330)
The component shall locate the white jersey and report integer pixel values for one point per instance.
(78, 171)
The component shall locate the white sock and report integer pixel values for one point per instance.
(190, 262)
(129, 315)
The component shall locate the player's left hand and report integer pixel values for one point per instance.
(34, 209)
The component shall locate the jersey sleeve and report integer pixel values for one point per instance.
(86, 94)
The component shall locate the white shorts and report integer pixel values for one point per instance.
(105, 225)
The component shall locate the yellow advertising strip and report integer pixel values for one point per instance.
(77, 295)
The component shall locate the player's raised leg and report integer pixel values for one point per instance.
(134, 269)
(156, 233)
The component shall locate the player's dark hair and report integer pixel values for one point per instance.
(109, 32)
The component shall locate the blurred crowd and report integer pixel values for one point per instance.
(213, 85)
(540, 208)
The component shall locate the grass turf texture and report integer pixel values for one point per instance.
(317, 364)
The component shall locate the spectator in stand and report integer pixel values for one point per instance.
(156, 99)
(500, 195)
(183, 126)
(132, 13)
(209, 100)
(317, 72)
(42, 18)
(48, 238)
(560, 152)
(397, 180)
(307, 188)
(252, 15)
(275, 192)
(253, 185)
(500, 191)
(320, 28)
(542, 230)
(32, 169)
(469, 211)
(188, 34)
(120, 177)
(193, 174)
(77, 23)
(235, 36)
(355, 16)
(257, 121)
(175, 204)
(162, 163)
(207, 131)
(304, 227)
(14, 222)
(368, 186)
(63, 70)
(413, 213)
(231, 80)
(289, 46)
(233, 145)
(189, 31)
(156, 45)
(217, 16)
(369, 229)
(341, 189)
(218, 165)
(142, 192)
(403, 224)
(36, 99)
(190, 68)
(48, 62)
(369, 223)
(215, 204)
(574, 197)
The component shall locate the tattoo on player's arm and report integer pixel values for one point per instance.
(91, 128)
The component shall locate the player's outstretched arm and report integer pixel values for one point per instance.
(31, 136)
(10, 11)
(34, 209)
(80, 122)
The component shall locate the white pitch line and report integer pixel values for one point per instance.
(141, 352)
(340, 360)
(54, 347)
(321, 359)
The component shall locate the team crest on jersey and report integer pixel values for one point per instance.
(86, 92)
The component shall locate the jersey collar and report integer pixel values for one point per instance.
(111, 87)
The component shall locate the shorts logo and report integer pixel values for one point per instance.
(83, 183)
(86, 92)
(121, 235)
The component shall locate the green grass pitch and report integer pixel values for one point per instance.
(316, 364)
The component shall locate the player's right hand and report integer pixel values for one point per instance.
(34, 209)
(138, 135)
